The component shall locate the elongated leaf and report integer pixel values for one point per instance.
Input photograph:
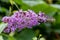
(44, 8)
(55, 5)
(33, 2)
(26, 34)
(1, 38)
(2, 9)
(2, 26)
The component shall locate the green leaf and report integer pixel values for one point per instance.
(12, 2)
(1, 38)
(18, 1)
(29, 2)
(57, 16)
(22, 5)
(2, 9)
(2, 26)
(25, 7)
(55, 5)
(11, 38)
(44, 8)
(7, 1)
(26, 34)
(36, 5)
(7, 37)
(33, 2)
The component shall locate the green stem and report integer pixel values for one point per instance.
(13, 3)
(16, 5)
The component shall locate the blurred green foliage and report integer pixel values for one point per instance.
(26, 34)
(51, 9)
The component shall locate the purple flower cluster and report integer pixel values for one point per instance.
(23, 19)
